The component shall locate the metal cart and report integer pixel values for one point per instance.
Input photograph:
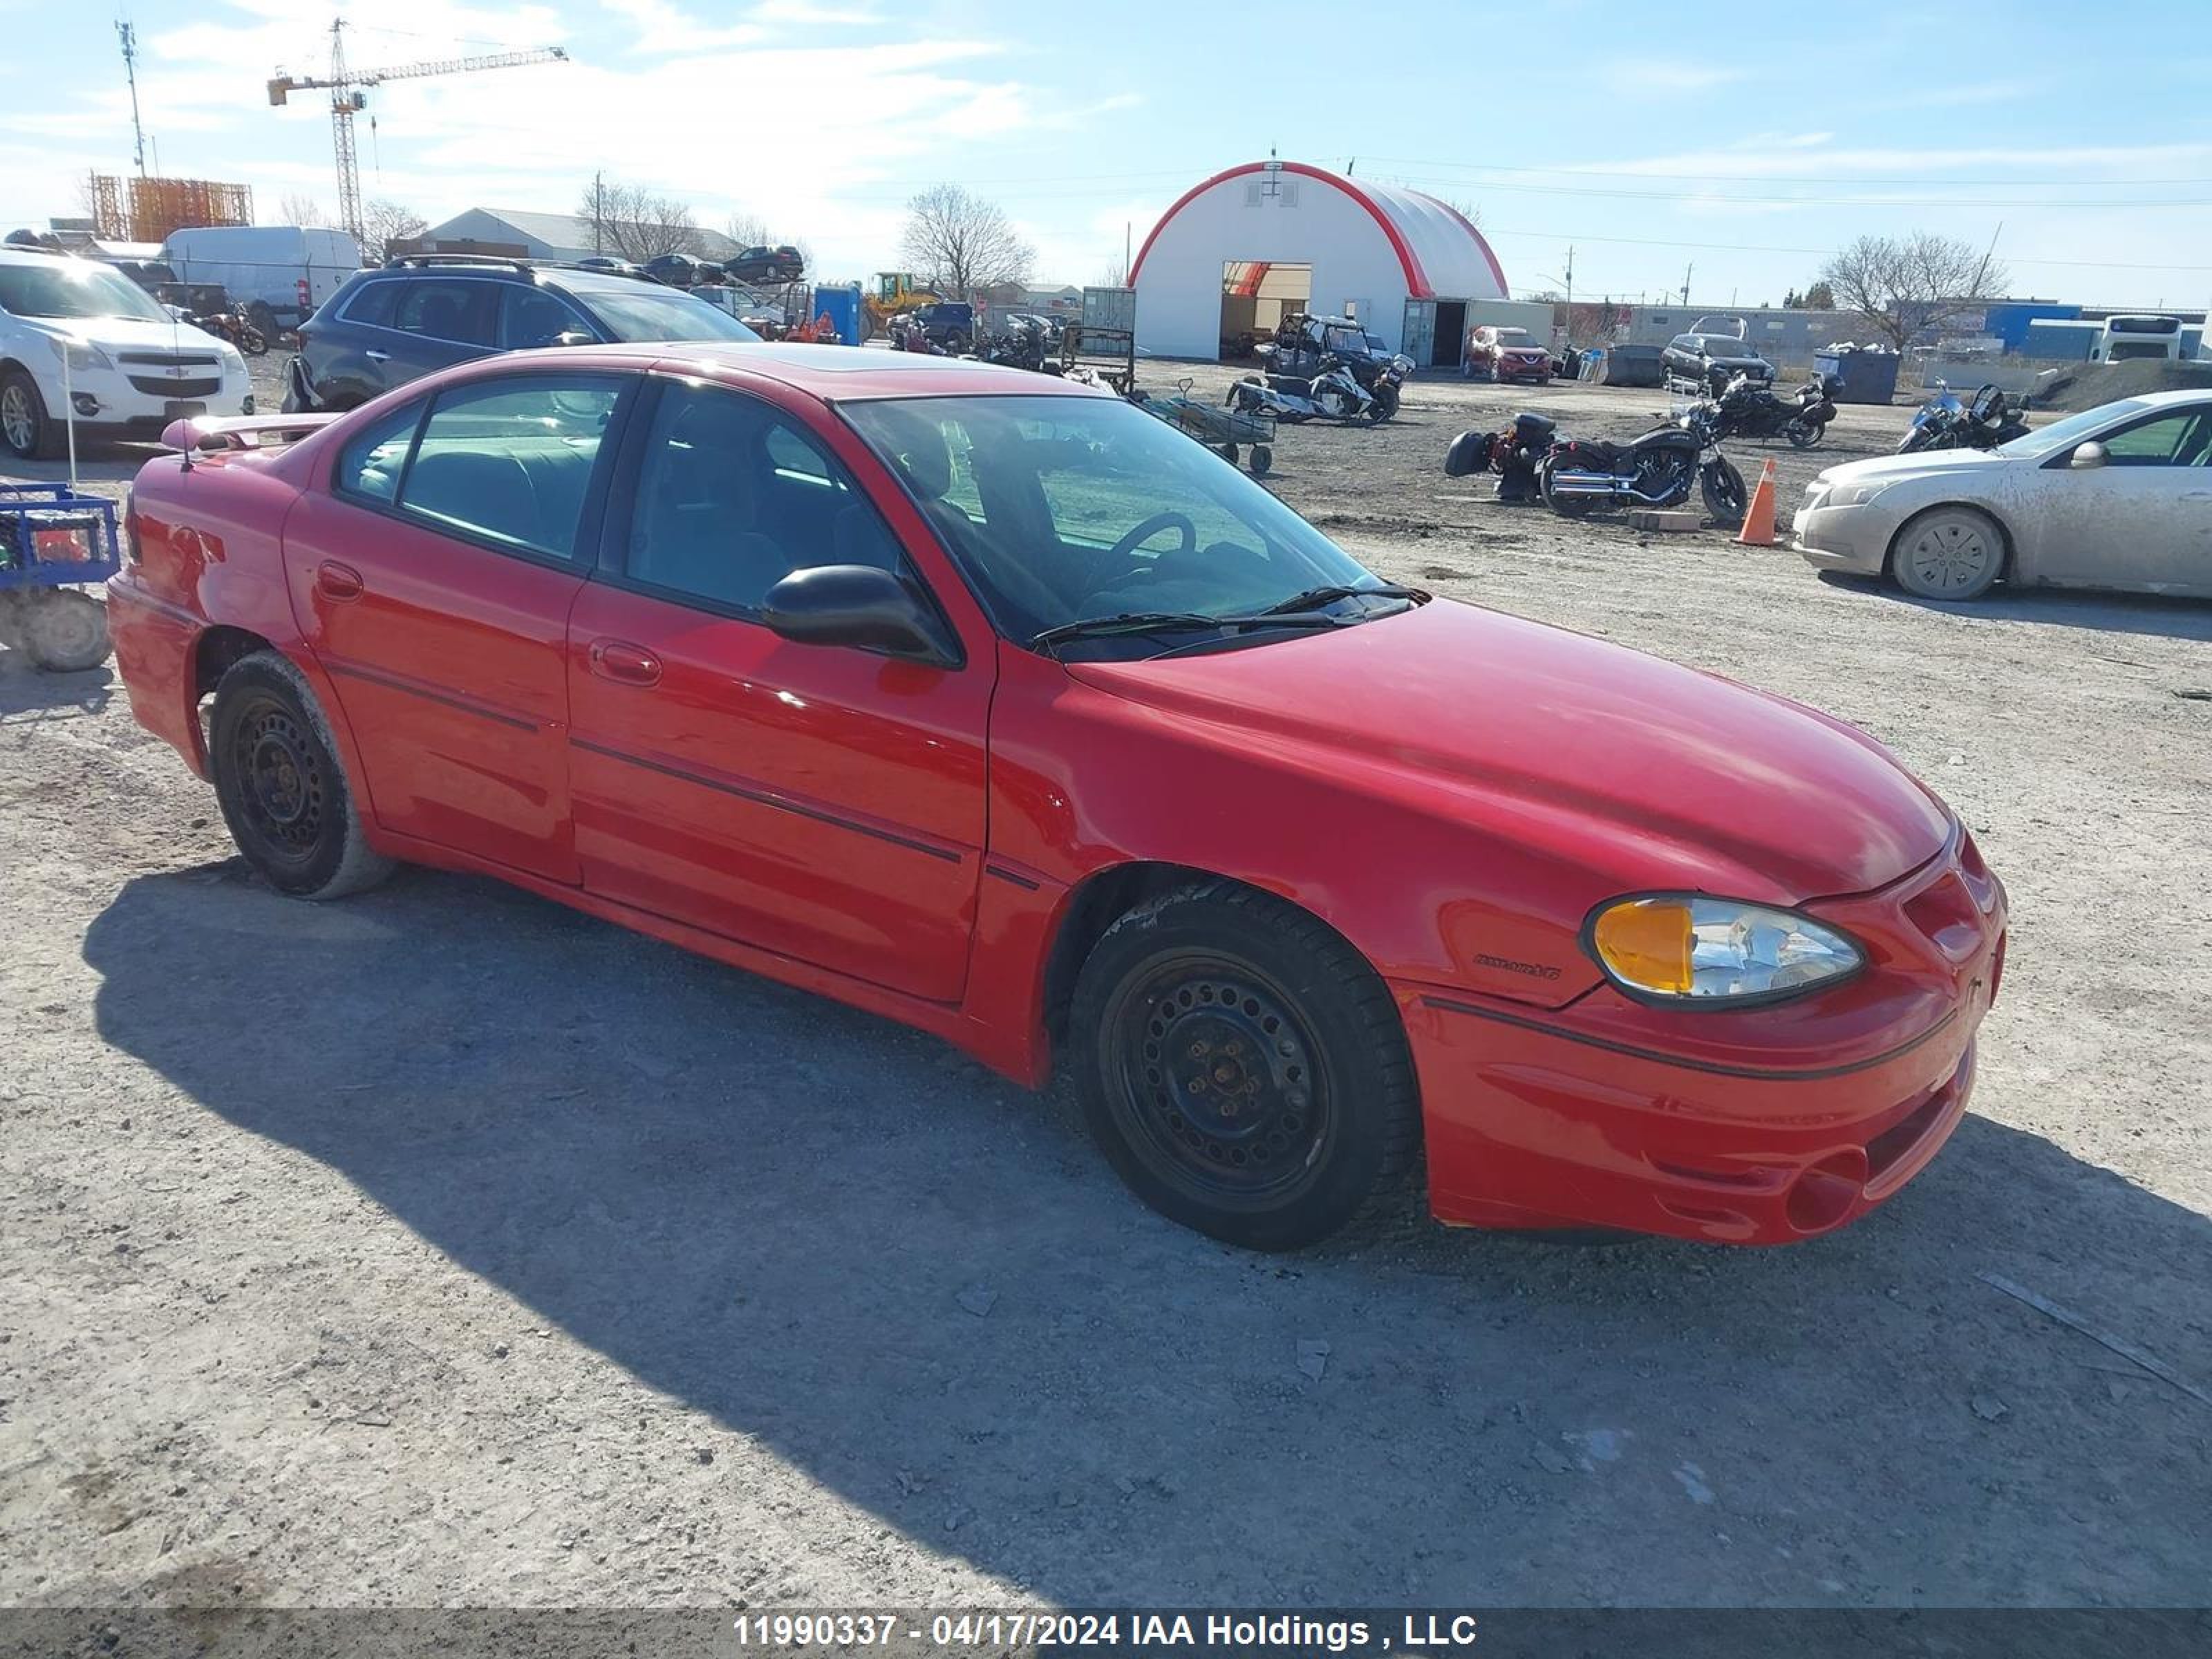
(54, 542)
(1220, 429)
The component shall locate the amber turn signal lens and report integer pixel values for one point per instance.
(1647, 943)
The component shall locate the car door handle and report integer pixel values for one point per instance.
(378, 356)
(623, 663)
(338, 582)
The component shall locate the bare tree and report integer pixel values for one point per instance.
(958, 242)
(635, 222)
(1900, 284)
(301, 209)
(383, 224)
(1116, 274)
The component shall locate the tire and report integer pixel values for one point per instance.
(1567, 507)
(1725, 495)
(1947, 553)
(63, 631)
(252, 341)
(1229, 453)
(1803, 434)
(1243, 1068)
(26, 429)
(1262, 460)
(283, 793)
(1386, 404)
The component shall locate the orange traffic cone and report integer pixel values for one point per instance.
(1759, 518)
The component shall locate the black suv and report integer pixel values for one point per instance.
(1713, 360)
(385, 327)
(949, 323)
(758, 265)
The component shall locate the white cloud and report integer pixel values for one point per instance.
(664, 30)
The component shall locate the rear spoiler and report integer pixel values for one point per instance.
(197, 432)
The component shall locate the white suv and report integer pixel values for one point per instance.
(77, 336)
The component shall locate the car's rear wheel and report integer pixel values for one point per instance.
(1243, 1068)
(1948, 553)
(26, 429)
(283, 793)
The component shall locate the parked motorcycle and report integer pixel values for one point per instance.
(1657, 470)
(1334, 394)
(1944, 422)
(1515, 454)
(232, 324)
(1749, 408)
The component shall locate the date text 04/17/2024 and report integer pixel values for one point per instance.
(1419, 1632)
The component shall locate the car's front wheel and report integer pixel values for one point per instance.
(1948, 553)
(283, 793)
(26, 429)
(1243, 1068)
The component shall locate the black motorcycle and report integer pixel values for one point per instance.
(1334, 394)
(1022, 346)
(1657, 470)
(1748, 408)
(1944, 422)
(1379, 377)
(1515, 454)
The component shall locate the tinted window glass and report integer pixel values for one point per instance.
(2174, 441)
(732, 497)
(374, 304)
(646, 311)
(531, 317)
(460, 312)
(512, 459)
(370, 464)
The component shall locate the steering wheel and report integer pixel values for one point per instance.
(1135, 537)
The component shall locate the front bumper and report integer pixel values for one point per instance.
(1510, 368)
(1852, 539)
(1609, 1113)
(105, 403)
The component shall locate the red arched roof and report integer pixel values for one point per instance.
(1394, 210)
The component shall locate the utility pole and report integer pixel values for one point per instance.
(1687, 270)
(598, 211)
(129, 36)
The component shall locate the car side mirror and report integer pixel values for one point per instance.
(2087, 455)
(857, 604)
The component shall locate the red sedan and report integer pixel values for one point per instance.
(994, 705)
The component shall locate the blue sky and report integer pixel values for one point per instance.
(1745, 155)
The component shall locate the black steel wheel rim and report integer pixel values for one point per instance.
(1218, 1077)
(282, 785)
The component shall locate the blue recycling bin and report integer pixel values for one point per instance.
(1859, 376)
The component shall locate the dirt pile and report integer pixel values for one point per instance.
(2091, 384)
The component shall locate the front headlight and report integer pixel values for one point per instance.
(233, 363)
(1856, 494)
(1683, 947)
(78, 355)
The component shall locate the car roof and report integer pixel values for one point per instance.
(833, 373)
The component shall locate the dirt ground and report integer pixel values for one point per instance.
(443, 1246)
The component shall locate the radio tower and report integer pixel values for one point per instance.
(129, 36)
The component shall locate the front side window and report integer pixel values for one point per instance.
(372, 461)
(732, 496)
(646, 311)
(2172, 441)
(1063, 509)
(531, 317)
(511, 461)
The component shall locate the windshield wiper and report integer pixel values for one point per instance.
(1168, 621)
(1314, 597)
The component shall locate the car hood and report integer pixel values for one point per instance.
(125, 333)
(1891, 469)
(1655, 774)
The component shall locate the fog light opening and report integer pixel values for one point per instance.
(87, 405)
(1824, 1196)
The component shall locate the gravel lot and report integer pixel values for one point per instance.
(443, 1246)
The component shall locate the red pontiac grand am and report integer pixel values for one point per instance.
(992, 704)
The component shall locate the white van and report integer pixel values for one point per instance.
(284, 271)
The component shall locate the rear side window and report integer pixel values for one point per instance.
(374, 305)
(511, 461)
(371, 464)
(462, 312)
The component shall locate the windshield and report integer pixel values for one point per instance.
(1064, 509)
(1345, 342)
(1513, 336)
(2064, 434)
(639, 312)
(74, 288)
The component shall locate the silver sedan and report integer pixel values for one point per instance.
(2119, 496)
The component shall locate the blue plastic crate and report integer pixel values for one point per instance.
(52, 538)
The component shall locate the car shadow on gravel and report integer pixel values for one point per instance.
(2111, 613)
(920, 1287)
(28, 693)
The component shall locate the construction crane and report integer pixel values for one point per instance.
(347, 100)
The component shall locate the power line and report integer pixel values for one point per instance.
(1753, 178)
